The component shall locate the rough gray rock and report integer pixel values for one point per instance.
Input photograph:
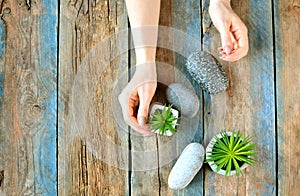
(207, 72)
(183, 98)
(187, 166)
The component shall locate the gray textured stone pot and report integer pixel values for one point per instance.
(209, 149)
(207, 72)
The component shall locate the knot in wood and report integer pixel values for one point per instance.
(295, 6)
(6, 10)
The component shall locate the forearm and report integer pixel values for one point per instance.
(215, 5)
(144, 16)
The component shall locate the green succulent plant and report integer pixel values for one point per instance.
(163, 120)
(230, 152)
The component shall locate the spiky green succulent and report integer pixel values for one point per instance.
(229, 151)
(163, 120)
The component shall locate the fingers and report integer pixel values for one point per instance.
(132, 122)
(239, 40)
(144, 130)
(235, 55)
(240, 49)
(145, 93)
(127, 103)
(226, 39)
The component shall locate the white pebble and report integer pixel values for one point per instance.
(187, 166)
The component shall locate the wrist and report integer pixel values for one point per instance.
(145, 55)
(147, 70)
(215, 2)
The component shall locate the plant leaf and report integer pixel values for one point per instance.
(231, 141)
(246, 148)
(228, 168)
(237, 167)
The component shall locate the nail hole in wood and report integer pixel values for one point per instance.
(36, 108)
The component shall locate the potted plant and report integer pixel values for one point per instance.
(163, 119)
(228, 153)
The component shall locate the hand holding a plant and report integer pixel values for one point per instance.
(143, 16)
(139, 93)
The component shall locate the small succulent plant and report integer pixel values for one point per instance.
(230, 151)
(163, 120)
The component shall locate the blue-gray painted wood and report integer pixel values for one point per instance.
(287, 50)
(2, 134)
(2, 48)
(187, 18)
(250, 101)
(45, 146)
(262, 177)
(28, 85)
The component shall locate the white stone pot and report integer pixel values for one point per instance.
(158, 106)
(212, 165)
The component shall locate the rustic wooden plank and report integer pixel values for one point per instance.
(287, 37)
(262, 177)
(166, 76)
(28, 118)
(144, 181)
(173, 14)
(144, 173)
(186, 17)
(90, 65)
(249, 101)
(149, 178)
(2, 134)
(155, 181)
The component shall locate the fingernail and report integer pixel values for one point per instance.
(142, 121)
(227, 49)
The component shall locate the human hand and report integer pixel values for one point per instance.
(233, 31)
(139, 92)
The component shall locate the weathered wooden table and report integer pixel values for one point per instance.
(45, 95)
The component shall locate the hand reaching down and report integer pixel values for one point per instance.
(139, 93)
(233, 31)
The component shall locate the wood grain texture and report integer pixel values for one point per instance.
(249, 101)
(28, 113)
(265, 80)
(183, 16)
(2, 135)
(153, 181)
(166, 76)
(87, 60)
(186, 17)
(287, 27)
(144, 172)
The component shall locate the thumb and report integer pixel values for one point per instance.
(226, 40)
(143, 113)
